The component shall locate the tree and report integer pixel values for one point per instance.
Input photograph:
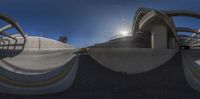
(63, 39)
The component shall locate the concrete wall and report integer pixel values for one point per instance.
(191, 65)
(172, 43)
(38, 43)
(159, 37)
(42, 43)
(131, 60)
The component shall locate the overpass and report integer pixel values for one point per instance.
(154, 33)
(186, 13)
(194, 33)
(154, 43)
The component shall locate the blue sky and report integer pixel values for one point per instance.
(86, 22)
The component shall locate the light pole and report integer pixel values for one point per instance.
(40, 41)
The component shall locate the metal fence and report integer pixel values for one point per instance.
(8, 40)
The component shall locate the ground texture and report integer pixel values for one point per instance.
(96, 82)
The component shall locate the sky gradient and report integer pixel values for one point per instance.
(86, 22)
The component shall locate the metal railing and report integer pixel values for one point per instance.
(11, 39)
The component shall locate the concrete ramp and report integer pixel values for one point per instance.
(191, 64)
(35, 43)
(43, 66)
(35, 62)
(131, 60)
(38, 72)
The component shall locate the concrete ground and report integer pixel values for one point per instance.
(131, 60)
(96, 82)
(35, 62)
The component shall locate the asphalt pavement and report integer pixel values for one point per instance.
(94, 81)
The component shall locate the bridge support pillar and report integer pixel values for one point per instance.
(172, 43)
(159, 37)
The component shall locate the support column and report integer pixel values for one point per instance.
(159, 37)
(172, 42)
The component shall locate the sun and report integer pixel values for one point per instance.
(124, 33)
